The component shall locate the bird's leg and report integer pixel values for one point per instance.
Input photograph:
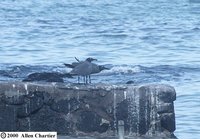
(90, 79)
(78, 79)
(86, 79)
(81, 79)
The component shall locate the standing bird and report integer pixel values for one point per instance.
(85, 69)
(75, 64)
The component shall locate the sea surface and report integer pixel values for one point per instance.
(144, 41)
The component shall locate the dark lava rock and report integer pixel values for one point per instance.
(7, 118)
(47, 77)
(13, 100)
(165, 108)
(47, 120)
(89, 122)
(122, 110)
(32, 105)
(23, 124)
(29, 107)
(130, 82)
(48, 99)
(168, 122)
(72, 109)
(65, 106)
(167, 95)
(103, 128)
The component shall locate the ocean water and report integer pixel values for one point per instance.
(154, 41)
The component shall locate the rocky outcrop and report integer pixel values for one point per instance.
(87, 110)
(47, 77)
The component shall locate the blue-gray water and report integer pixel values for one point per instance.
(144, 41)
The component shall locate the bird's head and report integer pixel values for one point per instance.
(89, 59)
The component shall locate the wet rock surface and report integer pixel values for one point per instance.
(7, 118)
(47, 77)
(87, 110)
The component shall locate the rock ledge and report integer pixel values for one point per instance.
(92, 110)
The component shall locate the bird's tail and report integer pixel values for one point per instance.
(69, 65)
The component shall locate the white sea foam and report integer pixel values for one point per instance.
(122, 70)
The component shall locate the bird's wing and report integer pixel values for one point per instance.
(82, 69)
(77, 59)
